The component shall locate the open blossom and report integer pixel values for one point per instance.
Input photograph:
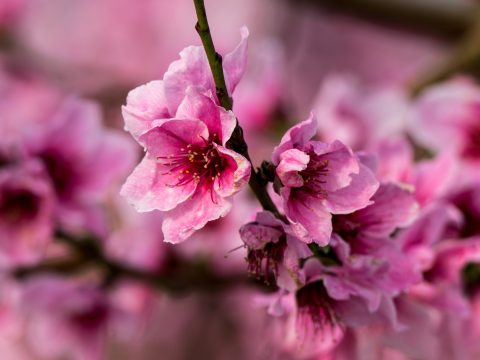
(446, 119)
(160, 99)
(357, 115)
(187, 171)
(266, 241)
(26, 211)
(81, 157)
(352, 282)
(319, 179)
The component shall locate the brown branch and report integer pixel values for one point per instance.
(237, 141)
(180, 277)
(448, 21)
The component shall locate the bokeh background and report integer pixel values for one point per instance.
(302, 53)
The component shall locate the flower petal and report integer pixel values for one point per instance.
(296, 137)
(149, 188)
(354, 196)
(342, 164)
(235, 174)
(192, 215)
(191, 69)
(291, 163)
(172, 136)
(393, 207)
(235, 62)
(311, 222)
(144, 104)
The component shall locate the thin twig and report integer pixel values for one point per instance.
(182, 277)
(447, 20)
(237, 141)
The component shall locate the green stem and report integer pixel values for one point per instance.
(237, 141)
(214, 58)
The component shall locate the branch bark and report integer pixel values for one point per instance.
(237, 141)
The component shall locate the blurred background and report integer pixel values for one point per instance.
(301, 54)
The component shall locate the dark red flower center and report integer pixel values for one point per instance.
(314, 176)
(198, 162)
(263, 262)
(19, 205)
(314, 306)
(90, 318)
(62, 172)
(471, 148)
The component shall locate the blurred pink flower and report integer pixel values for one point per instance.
(446, 119)
(141, 49)
(188, 172)
(319, 179)
(261, 91)
(358, 115)
(66, 317)
(9, 11)
(136, 239)
(82, 158)
(26, 211)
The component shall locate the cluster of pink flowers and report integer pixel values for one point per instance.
(367, 245)
(365, 239)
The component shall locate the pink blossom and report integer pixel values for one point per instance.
(123, 242)
(82, 158)
(319, 179)
(266, 241)
(446, 116)
(26, 211)
(160, 99)
(66, 317)
(358, 115)
(188, 172)
(10, 10)
(446, 119)
(436, 221)
(353, 282)
(467, 200)
(261, 91)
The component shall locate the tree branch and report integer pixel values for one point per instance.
(178, 276)
(237, 141)
(448, 21)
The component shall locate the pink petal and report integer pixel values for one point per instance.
(235, 62)
(192, 215)
(310, 221)
(144, 104)
(191, 69)
(342, 164)
(393, 207)
(296, 137)
(201, 107)
(235, 175)
(256, 236)
(149, 187)
(356, 195)
(291, 163)
(173, 135)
